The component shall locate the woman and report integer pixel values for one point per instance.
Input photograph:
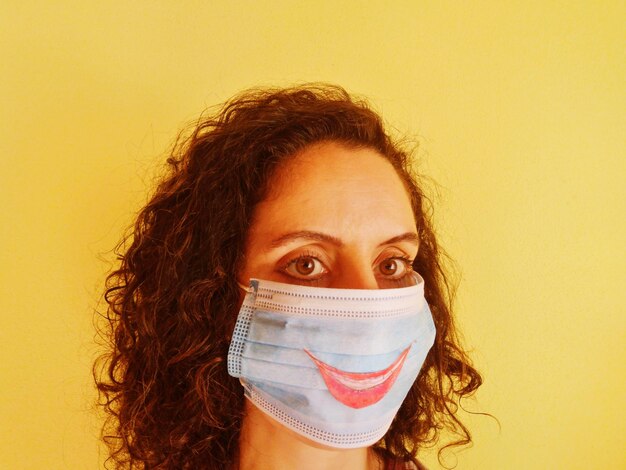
(267, 313)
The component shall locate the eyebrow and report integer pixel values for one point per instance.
(323, 237)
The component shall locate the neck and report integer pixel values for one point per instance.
(267, 445)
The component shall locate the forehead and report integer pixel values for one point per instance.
(333, 188)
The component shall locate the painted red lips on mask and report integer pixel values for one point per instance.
(359, 389)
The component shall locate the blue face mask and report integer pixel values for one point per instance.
(334, 365)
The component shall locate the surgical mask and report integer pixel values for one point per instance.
(333, 365)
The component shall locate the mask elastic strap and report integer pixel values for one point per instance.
(246, 289)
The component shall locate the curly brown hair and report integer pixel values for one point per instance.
(173, 299)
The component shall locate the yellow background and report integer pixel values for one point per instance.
(519, 108)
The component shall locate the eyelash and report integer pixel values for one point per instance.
(409, 269)
(406, 260)
(306, 254)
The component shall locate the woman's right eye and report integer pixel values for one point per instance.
(305, 268)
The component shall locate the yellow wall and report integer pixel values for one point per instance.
(520, 110)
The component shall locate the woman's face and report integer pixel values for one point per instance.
(334, 217)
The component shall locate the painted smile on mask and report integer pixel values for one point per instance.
(359, 389)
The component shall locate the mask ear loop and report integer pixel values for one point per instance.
(246, 289)
(417, 277)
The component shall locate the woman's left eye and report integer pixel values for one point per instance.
(394, 267)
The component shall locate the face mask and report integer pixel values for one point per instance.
(333, 365)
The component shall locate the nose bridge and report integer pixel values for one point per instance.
(356, 273)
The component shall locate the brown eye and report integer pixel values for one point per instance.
(305, 267)
(389, 267)
(394, 267)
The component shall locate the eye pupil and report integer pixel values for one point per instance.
(305, 266)
(389, 267)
